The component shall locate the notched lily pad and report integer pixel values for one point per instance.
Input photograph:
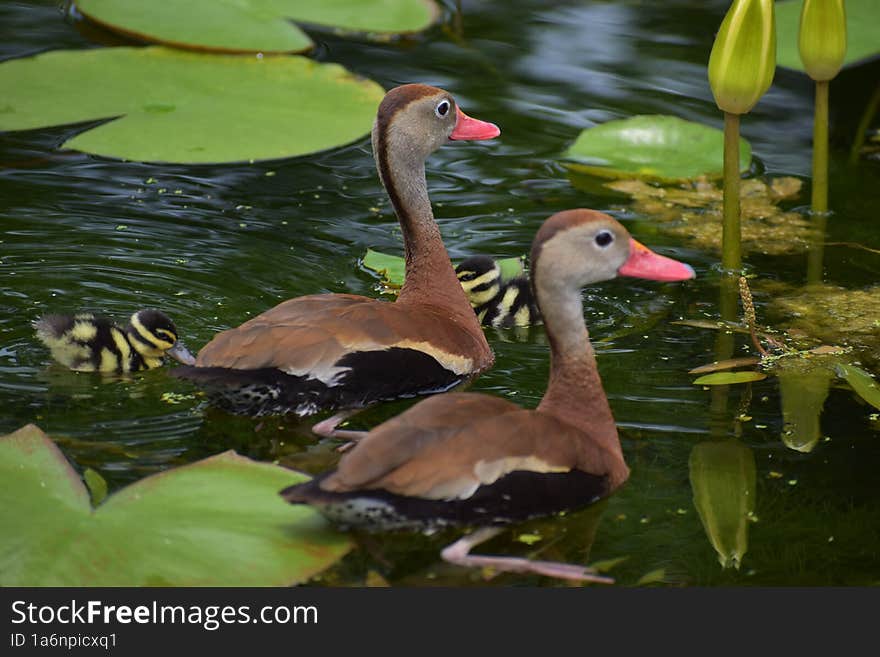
(693, 212)
(215, 522)
(255, 25)
(175, 106)
(652, 147)
(862, 33)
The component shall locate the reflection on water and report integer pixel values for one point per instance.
(215, 245)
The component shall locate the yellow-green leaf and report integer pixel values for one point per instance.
(728, 378)
(863, 383)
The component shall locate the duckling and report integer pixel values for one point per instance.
(91, 343)
(496, 302)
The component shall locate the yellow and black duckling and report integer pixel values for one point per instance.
(497, 303)
(91, 343)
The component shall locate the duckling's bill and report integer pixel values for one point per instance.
(181, 354)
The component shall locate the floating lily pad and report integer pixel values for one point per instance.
(176, 106)
(728, 378)
(653, 147)
(392, 268)
(863, 383)
(215, 522)
(254, 25)
(862, 32)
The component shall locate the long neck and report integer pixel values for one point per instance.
(574, 392)
(429, 274)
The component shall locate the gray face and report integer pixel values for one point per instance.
(584, 254)
(426, 123)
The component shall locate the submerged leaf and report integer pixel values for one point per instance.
(653, 147)
(254, 25)
(165, 105)
(216, 522)
(692, 211)
(728, 378)
(863, 383)
(834, 315)
(657, 576)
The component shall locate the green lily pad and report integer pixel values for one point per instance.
(184, 107)
(727, 378)
(654, 147)
(863, 383)
(862, 32)
(215, 522)
(254, 25)
(392, 268)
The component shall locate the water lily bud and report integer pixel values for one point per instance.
(724, 483)
(743, 58)
(822, 38)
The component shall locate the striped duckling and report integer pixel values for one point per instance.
(497, 302)
(91, 343)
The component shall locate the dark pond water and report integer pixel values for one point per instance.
(214, 245)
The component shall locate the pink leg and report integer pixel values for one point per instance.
(327, 428)
(459, 554)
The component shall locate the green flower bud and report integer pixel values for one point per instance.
(743, 58)
(822, 38)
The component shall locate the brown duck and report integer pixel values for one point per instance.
(477, 460)
(341, 351)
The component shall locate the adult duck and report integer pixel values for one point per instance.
(342, 351)
(476, 460)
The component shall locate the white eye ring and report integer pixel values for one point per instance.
(604, 238)
(442, 109)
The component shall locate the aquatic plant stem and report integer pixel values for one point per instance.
(820, 149)
(731, 249)
(862, 129)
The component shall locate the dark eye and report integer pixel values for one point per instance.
(442, 108)
(604, 238)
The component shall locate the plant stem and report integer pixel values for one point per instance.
(820, 149)
(731, 249)
(870, 111)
